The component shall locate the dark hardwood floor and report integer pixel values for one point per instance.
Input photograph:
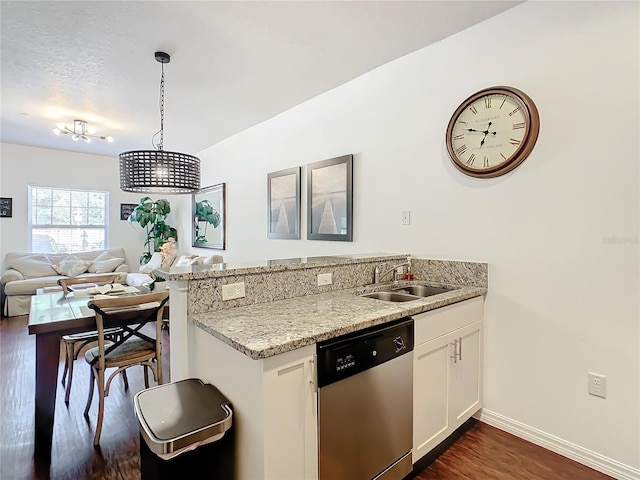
(487, 453)
(73, 455)
(482, 453)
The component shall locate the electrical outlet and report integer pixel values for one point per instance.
(233, 291)
(406, 217)
(597, 385)
(324, 279)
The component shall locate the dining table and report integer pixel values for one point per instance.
(51, 316)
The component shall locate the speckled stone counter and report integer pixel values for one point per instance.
(267, 329)
(276, 280)
(284, 308)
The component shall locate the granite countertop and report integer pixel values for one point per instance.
(217, 270)
(266, 329)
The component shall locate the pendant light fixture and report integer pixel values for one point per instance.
(159, 171)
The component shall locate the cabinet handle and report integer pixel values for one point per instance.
(455, 351)
(312, 367)
(460, 348)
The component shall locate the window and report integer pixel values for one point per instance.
(65, 220)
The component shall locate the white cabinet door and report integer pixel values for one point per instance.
(290, 415)
(430, 395)
(465, 374)
(447, 369)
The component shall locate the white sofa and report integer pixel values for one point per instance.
(27, 272)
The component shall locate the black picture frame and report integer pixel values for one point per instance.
(204, 235)
(330, 199)
(126, 209)
(6, 207)
(283, 204)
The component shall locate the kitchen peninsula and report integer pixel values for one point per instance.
(259, 349)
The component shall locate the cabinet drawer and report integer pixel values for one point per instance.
(432, 324)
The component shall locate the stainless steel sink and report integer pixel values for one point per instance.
(421, 290)
(391, 296)
(406, 293)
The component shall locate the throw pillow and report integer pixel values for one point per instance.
(168, 260)
(106, 266)
(105, 263)
(213, 259)
(154, 262)
(71, 266)
(187, 260)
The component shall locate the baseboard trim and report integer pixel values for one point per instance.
(581, 455)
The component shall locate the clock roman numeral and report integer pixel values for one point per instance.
(503, 156)
(473, 109)
(486, 161)
(471, 159)
(504, 100)
(459, 137)
(516, 126)
(513, 141)
(487, 102)
(461, 149)
(514, 111)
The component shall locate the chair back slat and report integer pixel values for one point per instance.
(123, 312)
(97, 279)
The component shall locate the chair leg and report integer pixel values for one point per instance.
(68, 365)
(125, 379)
(146, 376)
(66, 362)
(100, 379)
(90, 397)
(159, 370)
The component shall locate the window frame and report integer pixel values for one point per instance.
(69, 247)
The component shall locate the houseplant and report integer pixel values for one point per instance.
(151, 216)
(205, 213)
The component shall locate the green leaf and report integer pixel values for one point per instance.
(151, 216)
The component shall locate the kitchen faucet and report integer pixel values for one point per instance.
(377, 276)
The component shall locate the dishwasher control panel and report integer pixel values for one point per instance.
(356, 352)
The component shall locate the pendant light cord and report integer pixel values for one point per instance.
(160, 145)
(162, 107)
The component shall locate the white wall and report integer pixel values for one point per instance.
(23, 166)
(560, 232)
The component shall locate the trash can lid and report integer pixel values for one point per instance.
(181, 413)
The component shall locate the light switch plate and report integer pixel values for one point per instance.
(324, 279)
(406, 217)
(233, 291)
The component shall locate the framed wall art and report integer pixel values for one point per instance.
(330, 199)
(209, 217)
(283, 204)
(126, 209)
(6, 207)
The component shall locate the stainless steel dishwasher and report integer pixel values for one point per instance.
(365, 400)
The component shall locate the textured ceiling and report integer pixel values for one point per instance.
(233, 64)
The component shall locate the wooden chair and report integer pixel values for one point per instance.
(131, 314)
(73, 344)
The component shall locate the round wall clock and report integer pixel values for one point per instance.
(492, 132)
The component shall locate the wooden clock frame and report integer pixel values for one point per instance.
(532, 126)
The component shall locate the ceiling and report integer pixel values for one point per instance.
(233, 64)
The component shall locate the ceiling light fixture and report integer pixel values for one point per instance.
(158, 171)
(79, 132)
